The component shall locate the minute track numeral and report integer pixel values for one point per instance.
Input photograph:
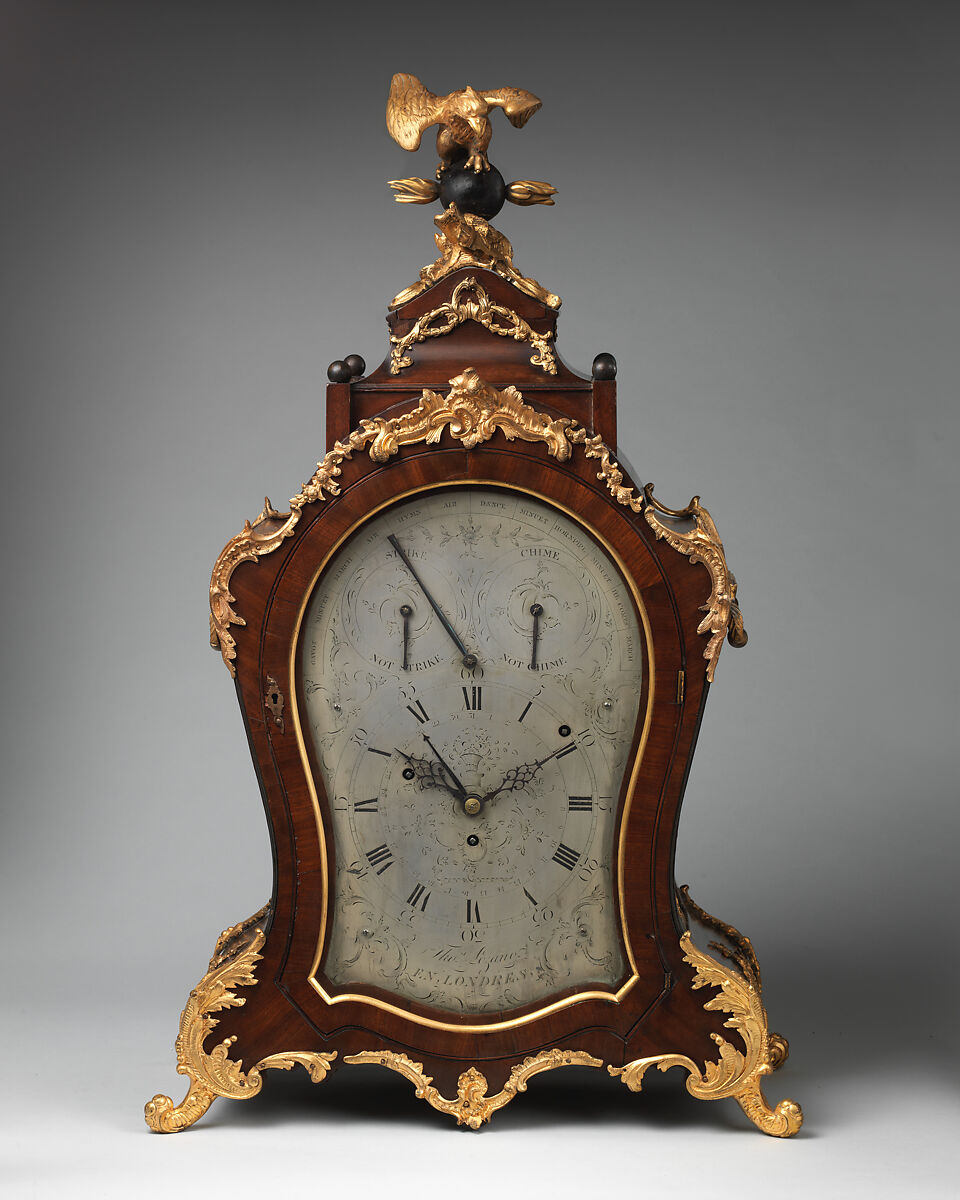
(473, 697)
(381, 854)
(580, 803)
(566, 857)
(366, 805)
(419, 897)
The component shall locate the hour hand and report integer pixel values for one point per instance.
(428, 773)
(406, 612)
(536, 611)
(461, 790)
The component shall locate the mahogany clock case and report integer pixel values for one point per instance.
(303, 875)
(471, 406)
(653, 1016)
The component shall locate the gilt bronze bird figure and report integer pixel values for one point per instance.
(463, 117)
(469, 187)
(465, 175)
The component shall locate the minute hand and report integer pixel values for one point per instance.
(518, 777)
(469, 660)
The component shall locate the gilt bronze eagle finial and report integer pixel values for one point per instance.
(463, 137)
(463, 117)
(469, 187)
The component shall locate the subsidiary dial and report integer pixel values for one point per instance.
(536, 604)
(385, 616)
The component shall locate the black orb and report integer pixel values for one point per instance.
(604, 367)
(338, 372)
(481, 192)
(355, 365)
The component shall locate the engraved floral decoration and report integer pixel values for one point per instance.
(472, 412)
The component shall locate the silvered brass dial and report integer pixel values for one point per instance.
(472, 668)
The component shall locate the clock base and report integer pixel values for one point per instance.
(733, 978)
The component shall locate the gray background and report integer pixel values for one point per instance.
(758, 214)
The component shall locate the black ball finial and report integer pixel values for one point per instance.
(338, 372)
(604, 367)
(483, 193)
(355, 365)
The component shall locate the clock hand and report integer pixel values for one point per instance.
(469, 660)
(536, 611)
(406, 612)
(440, 759)
(429, 773)
(556, 754)
(515, 779)
(518, 777)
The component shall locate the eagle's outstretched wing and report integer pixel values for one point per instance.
(518, 105)
(410, 110)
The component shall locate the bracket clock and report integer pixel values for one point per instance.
(472, 659)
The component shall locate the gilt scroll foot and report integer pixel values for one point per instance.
(214, 1073)
(737, 1073)
(163, 1116)
(782, 1121)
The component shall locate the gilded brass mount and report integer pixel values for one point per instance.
(701, 544)
(214, 1073)
(470, 302)
(472, 1106)
(466, 240)
(736, 1074)
(473, 412)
